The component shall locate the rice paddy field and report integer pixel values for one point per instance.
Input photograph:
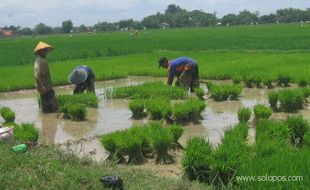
(251, 131)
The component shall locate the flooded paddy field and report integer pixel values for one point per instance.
(114, 114)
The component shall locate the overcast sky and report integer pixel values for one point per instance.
(28, 13)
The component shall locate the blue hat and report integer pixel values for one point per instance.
(78, 76)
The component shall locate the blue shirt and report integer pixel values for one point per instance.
(178, 65)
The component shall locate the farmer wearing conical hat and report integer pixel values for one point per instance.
(84, 79)
(184, 68)
(43, 78)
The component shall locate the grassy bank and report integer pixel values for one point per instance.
(212, 64)
(49, 168)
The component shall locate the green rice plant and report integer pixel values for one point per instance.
(268, 82)
(237, 79)
(273, 100)
(131, 144)
(199, 93)
(137, 108)
(161, 141)
(77, 111)
(229, 156)
(209, 84)
(197, 159)
(305, 92)
(159, 108)
(109, 142)
(176, 131)
(7, 114)
(298, 128)
(262, 112)
(25, 132)
(225, 92)
(249, 81)
(306, 140)
(283, 80)
(302, 82)
(188, 111)
(291, 100)
(150, 90)
(257, 81)
(244, 115)
(89, 99)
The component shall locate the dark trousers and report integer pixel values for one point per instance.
(48, 102)
(189, 78)
(87, 85)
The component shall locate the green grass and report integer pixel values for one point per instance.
(49, 168)
(25, 132)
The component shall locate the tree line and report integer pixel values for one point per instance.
(174, 16)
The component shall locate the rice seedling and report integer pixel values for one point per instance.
(137, 108)
(283, 80)
(199, 93)
(262, 112)
(161, 141)
(25, 132)
(268, 82)
(237, 79)
(302, 82)
(248, 81)
(150, 90)
(188, 111)
(109, 142)
(291, 100)
(225, 92)
(273, 100)
(298, 128)
(159, 108)
(7, 114)
(244, 115)
(89, 99)
(229, 156)
(77, 112)
(176, 131)
(257, 81)
(197, 159)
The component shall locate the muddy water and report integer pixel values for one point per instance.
(113, 115)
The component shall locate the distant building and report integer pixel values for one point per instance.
(6, 33)
(164, 25)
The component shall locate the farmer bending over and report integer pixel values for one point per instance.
(186, 70)
(83, 78)
(48, 102)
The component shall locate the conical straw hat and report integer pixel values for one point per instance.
(78, 76)
(42, 45)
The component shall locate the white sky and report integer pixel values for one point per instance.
(28, 13)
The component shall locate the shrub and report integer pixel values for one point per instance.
(273, 100)
(200, 93)
(77, 112)
(291, 100)
(159, 108)
(7, 114)
(188, 111)
(298, 128)
(89, 99)
(161, 141)
(224, 92)
(196, 159)
(283, 80)
(244, 115)
(26, 132)
(237, 79)
(137, 108)
(262, 112)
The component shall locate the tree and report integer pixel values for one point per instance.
(43, 29)
(67, 26)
